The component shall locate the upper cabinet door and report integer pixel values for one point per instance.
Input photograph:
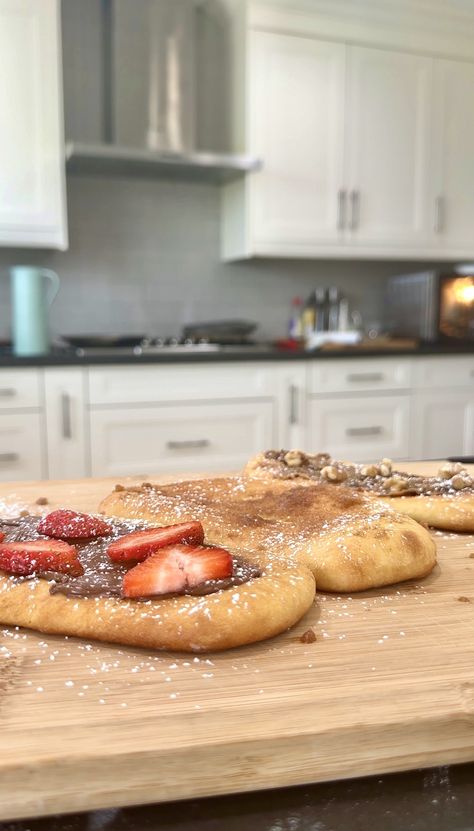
(388, 136)
(32, 205)
(453, 135)
(296, 125)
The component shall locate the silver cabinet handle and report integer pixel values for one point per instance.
(439, 214)
(7, 392)
(341, 209)
(66, 420)
(293, 404)
(354, 198)
(190, 444)
(9, 457)
(364, 431)
(365, 376)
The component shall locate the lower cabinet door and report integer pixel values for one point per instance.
(360, 429)
(443, 424)
(21, 449)
(66, 423)
(206, 437)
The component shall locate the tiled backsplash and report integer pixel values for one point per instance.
(144, 257)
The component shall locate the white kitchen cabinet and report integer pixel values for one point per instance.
(360, 428)
(32, 190)
(296, 126)
(388, 139)
(454, 155)
(148, 441)
(364, 134)
(21, 446)
(66, 423)
(443, 424)
(22, 440)
(356, 375)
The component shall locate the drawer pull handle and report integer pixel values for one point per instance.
(66, 415)
(293, 404)
(365, 376)
(9, 457)
(364, 431)
(7, 392)
(190, 444)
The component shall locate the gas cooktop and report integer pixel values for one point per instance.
(84, 347)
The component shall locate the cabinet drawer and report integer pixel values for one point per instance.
(19, 388)
(162, 383)
(442, 371)
(20, 446)
(173, 439)
(360, 429)
(354, 375)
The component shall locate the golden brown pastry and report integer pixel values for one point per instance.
(443, 501)
(349, 541)
(70, 586)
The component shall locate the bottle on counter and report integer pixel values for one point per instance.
(295, 323)
(309, 316)
(344, 320)
(334, 299)
(321, 322)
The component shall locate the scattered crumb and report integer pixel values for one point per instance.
(24, 512)
(42, 500)
(471, 556)
(308, 637)
(464, 599)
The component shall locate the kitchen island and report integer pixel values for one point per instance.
(387, 686)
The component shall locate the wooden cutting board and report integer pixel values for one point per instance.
(388, 685)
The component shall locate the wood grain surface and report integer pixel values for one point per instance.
(388, 685)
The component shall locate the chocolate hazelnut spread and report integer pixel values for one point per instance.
(102, 577)
(379, 478)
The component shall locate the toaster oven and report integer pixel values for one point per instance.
(432, 306)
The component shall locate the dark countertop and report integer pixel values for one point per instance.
(226, 355)
(436, 799)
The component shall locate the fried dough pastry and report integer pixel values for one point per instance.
(350, 541)
(444, 501)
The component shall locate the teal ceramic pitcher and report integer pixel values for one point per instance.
(33, 291)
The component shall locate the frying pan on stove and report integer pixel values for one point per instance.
(97, 341)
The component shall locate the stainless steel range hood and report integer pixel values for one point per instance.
(148, 75)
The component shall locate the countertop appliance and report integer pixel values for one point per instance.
(432, 306)
(93, 346)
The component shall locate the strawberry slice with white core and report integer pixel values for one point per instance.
(141, 544)
(38, 556)
(176, 568)
(65, 524)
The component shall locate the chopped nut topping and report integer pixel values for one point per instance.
(308, 637)
(396, 484)
(386, 467)
(334, 473)
(119, 488)
(449, 469)
(294, 458)
(459, 481)
(369, 470)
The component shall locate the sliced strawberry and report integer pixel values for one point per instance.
(64, 524)
(2, 536)
(139, 545)
(39, 556)
(175, 568)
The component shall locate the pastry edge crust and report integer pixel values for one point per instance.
(257, 610)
